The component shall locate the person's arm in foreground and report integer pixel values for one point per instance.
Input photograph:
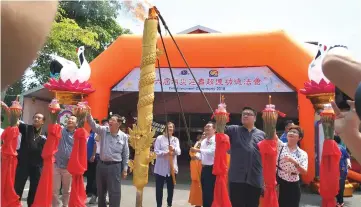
(25, 26)
(343, 72)
(347, 127)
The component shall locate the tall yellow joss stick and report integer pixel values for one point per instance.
(141, 137)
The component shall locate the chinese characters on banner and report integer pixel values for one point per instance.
(211, 80)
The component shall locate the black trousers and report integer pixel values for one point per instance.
(289, 193)
(159, 184)
(244, 195)
(207, 181)
(339, 196)
(91, 185)
(23, 172)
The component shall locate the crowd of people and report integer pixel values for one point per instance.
(108, 155)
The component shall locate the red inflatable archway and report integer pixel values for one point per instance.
(274, 49)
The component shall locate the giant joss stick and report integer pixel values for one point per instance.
(141, 137)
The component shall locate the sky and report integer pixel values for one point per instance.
(326, 21)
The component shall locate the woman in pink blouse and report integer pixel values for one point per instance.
(292, 161)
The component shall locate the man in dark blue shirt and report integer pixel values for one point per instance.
(245, 171)
(91, 189)
(288, 124)
(345, 164)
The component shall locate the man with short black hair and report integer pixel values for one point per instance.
(105, 122)
(30, 162)
(62, 178)
(288, 124)
(114, 156)
(245, 171)
(206, 155)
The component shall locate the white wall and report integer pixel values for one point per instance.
(31, 107)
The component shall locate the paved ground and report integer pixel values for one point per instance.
(182, 192)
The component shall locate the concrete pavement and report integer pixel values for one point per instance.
(182, 192)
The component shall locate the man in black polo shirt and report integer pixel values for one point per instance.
(30, 162)
(245, 171)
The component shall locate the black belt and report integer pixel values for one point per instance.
(110, 162)
(207, 165)
(292, 173)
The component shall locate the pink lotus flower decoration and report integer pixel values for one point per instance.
(312, 87)
(60, 85)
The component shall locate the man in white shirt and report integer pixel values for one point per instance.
(206, 155)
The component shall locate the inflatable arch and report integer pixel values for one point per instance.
(274, 49)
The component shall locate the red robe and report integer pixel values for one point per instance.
(268, 150)
(329, 173)
(77, 166)
(9, 161)
(220, 169)
(44, 192)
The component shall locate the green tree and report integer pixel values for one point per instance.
(89, 23)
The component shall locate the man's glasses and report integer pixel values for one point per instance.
(293, 132)
(247, 114)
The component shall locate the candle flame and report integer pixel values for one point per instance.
(138, 9)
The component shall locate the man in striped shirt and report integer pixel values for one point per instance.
(61, 175)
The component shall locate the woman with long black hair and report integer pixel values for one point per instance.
(292, 161)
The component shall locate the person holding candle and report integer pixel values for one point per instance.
(30, 163)
(113, 162)
(165, 146)
(206, 155)
(291, 162)
(62, 178)
(245, 170)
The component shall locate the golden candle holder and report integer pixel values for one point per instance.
(80, 111)
(269, 116)
(15, 111)
(221, 116)
(69, 97)
(54, 108)
(318, 100)
(328, 121)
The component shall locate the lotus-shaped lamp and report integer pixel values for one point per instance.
(60, 85)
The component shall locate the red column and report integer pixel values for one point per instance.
(220, 170)
(9, 161)
(43, 196)
(329, 173)
(77, 166)
(268, 150)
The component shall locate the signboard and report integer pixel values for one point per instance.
(211, 80)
